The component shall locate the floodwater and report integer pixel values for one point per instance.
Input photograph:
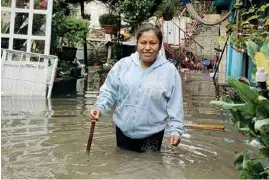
(47, 140)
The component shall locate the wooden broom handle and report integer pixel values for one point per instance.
(205, 126)
(91, 136)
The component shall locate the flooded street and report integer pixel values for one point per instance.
(40, 143)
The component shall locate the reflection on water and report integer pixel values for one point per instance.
(48, 140)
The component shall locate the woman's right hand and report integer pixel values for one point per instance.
(95, 114)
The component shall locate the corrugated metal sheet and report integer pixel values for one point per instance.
(172, 34)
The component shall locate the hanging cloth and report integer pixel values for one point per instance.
(194, 14)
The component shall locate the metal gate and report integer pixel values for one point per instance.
(27, 74)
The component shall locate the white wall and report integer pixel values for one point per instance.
(172, 35)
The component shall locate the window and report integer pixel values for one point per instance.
(26, 25)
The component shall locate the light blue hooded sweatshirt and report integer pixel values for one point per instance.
(145, 99)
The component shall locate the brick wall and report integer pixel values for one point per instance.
(207, 36)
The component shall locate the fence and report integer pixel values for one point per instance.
(27, 74)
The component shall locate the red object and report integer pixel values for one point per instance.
(110, 29)
(239, 49)
(213, 60)
(43, 4)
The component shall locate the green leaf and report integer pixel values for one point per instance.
(242, 129)
(266, 22)
(260, 123)
(252, 9)
(248, 116)
(241, 120)
(226, 105)
(253, 17)
(252, 49)
(244, 23)
(257, 169)
(248, 108)
(255, 91)
(244, 91)
(265, 48)
(246, 160)
(245, 13)
(264, 103)
(245, 174)
(265, 136)
(239, 161)
(234, 118)
(264, 153)
(262, 126)
(253, 74)
(264, 7)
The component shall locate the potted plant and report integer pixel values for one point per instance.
(43, 4)
(87, 16)
(250, 25)
(74, 32)
(169, 9)
(251, 117)
(109, 22)
(135, 12)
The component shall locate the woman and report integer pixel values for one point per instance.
(146, 89)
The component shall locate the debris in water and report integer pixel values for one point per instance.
(228, 140)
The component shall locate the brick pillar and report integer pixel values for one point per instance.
(93, 79)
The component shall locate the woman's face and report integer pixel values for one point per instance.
(148, 46)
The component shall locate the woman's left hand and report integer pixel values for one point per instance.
(174, 140)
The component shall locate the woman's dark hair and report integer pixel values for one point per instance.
(150, 27)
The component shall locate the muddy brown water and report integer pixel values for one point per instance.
(50, 143)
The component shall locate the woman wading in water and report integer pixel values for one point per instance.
(147, 91)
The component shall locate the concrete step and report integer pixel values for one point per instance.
(91, 95)
(91, 92)
(200, 110)
(198, 98)
(196, 104)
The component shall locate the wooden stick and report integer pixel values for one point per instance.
(205, 126)
(90, 136)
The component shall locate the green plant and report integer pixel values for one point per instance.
(251, 24)
(108, 19)
(97, 57)
(39, 20)
(170, 7)
(252, 119)
(61, 9)
(74, 31)
(211, 9)
(4, 27)
(6, 3)
(134, 12)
